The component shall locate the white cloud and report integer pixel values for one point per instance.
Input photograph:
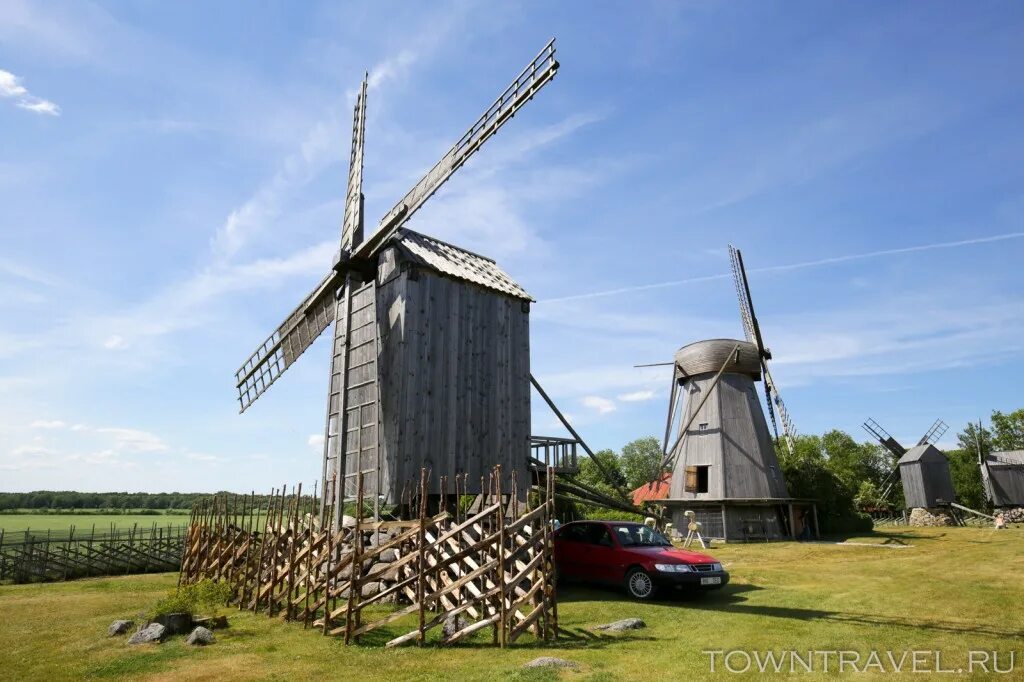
(637, 396)
(202, 457)
(24, 272)
(32, 451)
(134, 440)
(599, 404)
(316, 441)
(115, 342)
(47, 424)
(11, 87)
(322, 145)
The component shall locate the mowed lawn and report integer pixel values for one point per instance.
(951, 590)
(83, 523)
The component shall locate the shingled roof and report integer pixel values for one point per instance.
(458, 263)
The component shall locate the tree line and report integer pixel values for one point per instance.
(72, 500)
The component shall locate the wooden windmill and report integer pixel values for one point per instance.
(723, 458)
(1002, 474)
(430, 364)
(923, 470)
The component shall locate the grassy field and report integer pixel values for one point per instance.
(84, 522)
(951, 590)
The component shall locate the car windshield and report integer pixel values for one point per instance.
(637, 535)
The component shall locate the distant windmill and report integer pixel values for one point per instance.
(1002, 473)
(723, 458)
(923, 469)
(430, 362)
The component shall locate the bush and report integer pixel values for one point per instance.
(206, 594)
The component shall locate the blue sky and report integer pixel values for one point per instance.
(172, 174)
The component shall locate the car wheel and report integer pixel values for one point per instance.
(640, 585)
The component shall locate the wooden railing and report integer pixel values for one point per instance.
(557, 453)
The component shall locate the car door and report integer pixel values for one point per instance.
(602, 554)
(570, 550)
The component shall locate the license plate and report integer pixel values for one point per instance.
(710, 581)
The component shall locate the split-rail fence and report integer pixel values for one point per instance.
(488, 565)
(34, 556)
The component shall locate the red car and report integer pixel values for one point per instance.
(634, 556)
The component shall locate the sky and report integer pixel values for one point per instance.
(172, 178)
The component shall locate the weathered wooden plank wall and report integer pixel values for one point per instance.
(454, 374)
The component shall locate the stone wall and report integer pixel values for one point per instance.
(922, 517)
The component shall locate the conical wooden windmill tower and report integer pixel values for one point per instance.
(724, 466)
(430, 366)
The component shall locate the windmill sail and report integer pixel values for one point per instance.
(352, 227)
(530, 80)
(321, 306)
(753, 333)
(288, 342)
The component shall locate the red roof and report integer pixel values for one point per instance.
(656, 490)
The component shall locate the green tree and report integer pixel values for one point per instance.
(974, 436)
(591, 473)
(640, 461)
(966, 475)
(808, 475)
(1008, 430)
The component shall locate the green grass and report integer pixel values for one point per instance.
(83, 522)
(953, 590)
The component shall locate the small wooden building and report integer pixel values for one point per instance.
(439, 370)
(1003, 475)
(927, 483)
(725, 468)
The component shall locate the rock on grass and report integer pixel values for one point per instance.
(552, 662)
(154, 632)
(200, 637)
(624, 624)
(119, 627)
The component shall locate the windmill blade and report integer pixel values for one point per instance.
(889, 483)
(883, 437)
(753, 332)
(788, 430)
(739, 279)
(934, 432)
(768, 400)
(288, 342)
(534, 77)
(352, 226)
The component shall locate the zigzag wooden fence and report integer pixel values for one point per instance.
(27, 556)
(489, 566)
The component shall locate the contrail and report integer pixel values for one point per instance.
(793, 266)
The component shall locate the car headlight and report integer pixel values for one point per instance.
(673, 568)
(716, 567)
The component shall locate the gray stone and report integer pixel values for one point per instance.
(377, 539)
(154, 632)
(920, 517)
(453, 624)
(383, 571)
(119, 627)
(176, 623)
(551, 662)
(200, 637)
(348, 521)
(370, 589)
(624, 624)
(389, 555)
